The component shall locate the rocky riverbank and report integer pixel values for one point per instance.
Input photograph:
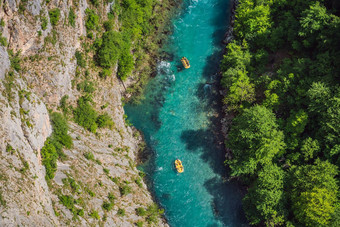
(228, 37)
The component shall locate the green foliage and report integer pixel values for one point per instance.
(121, 212)
(94, 214)
(44, 23)
(264, 201)
(109, 50)
(92, 19)
(3, 40)
(153, 213)
(139, 224)
(253, 21)
(134, 16)
(63, 104)
(111, 197)
(285, 57)
(54, 16)
(95, 2)
(86, 86)
(85, 115)
(125, 189)
(240, 90)
(105, 121)
(320, 175)
(15, 60)
(2, 200)
(314, 208)
(89, 156)
(69, 202)
(108, 25)
(105, 73)
(107, 206)
(52, 149)
(141, 211)
(49, 156)
(72, 17)
(237, 56)
(80, 59)
(125, 65)
(309, 148)
(254, 140)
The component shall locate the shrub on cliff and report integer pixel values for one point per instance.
(52, 149)
(125, 64)
(92, 20)
(109, 49)
(85, 115)
(54, 16)
(105, 121)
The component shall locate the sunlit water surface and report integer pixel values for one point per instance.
(179, 119)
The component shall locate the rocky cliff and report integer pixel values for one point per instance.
(97, 182)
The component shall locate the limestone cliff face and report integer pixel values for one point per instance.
(48, 73)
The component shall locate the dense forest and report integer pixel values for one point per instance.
(281, 74)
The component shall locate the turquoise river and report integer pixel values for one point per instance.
(179, 118)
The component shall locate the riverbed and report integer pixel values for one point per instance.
(179, 118)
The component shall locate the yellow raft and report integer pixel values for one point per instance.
(185, 62)
(179, 166)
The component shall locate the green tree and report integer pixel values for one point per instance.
(125, 64)
(264, 201)
(237, 56)
(320, 175)
(110, 49)
(315, 207)
(240, 90)
(254, 140)
(295, 125)
(309, 148)
(253, 22)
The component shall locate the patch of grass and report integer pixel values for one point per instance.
(54, 16)
(52, 38)
(94, 214)
(44, 23)
(15, 60)
(85, 115)
(86, 86)
(105, 121)
(111, 197)
(141, 211)
(80, 59)
(125, 189)
(91, 193)
(95, 2)
(107, 206)
(69, 202)
(2, 200)
(3, 40)
(52, 149)
(107, 171)
(72, 17)
(139, 182)
(89, 156)
(64, 105)
(92, 20)
(105, 73)
(10, 149)
(121, 212)
(139, 223)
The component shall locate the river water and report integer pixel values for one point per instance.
(179, 119)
